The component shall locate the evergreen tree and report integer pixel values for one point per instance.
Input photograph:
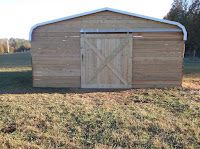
(189, 16)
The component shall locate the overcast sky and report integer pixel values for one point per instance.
(18, 16)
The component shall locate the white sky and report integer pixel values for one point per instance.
(18, 16)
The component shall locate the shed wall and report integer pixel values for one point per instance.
(56, 48)
(157, 59)
(56, 61)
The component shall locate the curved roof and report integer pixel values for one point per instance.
(112, 10)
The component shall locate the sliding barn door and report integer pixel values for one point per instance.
(106, 61)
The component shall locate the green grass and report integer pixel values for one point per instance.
(15, 80)
(15, 72)
(191, 66)
(15, 60)
(71, 118)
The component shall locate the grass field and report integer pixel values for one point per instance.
(66, 118)
(191, 66)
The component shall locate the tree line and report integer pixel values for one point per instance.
(187, 12)
(14, 45)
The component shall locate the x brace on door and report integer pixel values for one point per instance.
(107, 60)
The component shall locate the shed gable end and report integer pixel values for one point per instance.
(104, 20)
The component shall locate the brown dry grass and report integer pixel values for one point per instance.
(64, 118)
(191, 81)
(137, 118)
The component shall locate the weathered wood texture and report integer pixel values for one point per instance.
(157, 59)
(56, 61)
(101, 20)
(56, 47)
(106, 60)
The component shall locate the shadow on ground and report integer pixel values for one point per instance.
(21, 83)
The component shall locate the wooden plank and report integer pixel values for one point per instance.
(56, 73)
(157, 77)
(158, 62)
(157, 85)
(106, 36)
(158, 36)
(144, 39)
(108, 86)
(55, 34)
(47, 39)
(149, 53)
(56, 65)
(159, 68)
(83, 62)
(56, 57)
(157, 58)
(138, 82)
(142, 43)
(154, 78)
(47, 81)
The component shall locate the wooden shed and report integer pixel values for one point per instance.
(107, 48)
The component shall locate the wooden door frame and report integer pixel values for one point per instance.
(121, 48)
